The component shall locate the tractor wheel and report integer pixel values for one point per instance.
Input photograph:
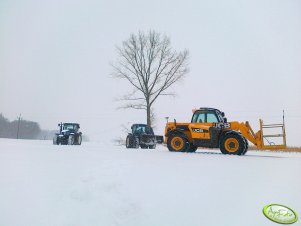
(136, 142)
(79, 140)
(129, 142)
(233, 144)
(152, 146)
(55, 140)
(71, 140)
(192, 148)
(177, 143)
(143, 146)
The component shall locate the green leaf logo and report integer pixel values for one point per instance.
(280, 214)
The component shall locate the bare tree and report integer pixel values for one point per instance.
(151, 67)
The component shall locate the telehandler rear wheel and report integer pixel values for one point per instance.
(177, 143)
(233, 144)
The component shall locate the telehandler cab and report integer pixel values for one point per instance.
(209, 128)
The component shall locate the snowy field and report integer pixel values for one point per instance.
(105, 185)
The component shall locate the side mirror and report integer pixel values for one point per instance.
(223, 114)
(225, 120)
(59, 124)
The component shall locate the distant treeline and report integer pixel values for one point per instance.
(22, 129)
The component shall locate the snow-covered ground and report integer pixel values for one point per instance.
(101, 184)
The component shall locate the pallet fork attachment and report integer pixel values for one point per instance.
(259, 138)
(265, 137)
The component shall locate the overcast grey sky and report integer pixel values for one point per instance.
(245, 59)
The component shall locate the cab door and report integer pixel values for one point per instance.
(200, 124)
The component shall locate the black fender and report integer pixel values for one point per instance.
(130, 136)
(131, 141)
(178, 132)
(243, 142)
(224, 133)
(175, 132)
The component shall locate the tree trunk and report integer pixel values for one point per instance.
(148, 114)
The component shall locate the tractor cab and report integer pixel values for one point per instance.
(138, 129)
(71, 127)
(208, 115)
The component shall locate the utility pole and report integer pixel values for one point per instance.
(19, 119)
(166, 119)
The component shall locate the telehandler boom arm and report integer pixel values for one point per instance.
(258, 138)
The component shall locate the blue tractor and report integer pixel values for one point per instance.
(142, 136)
(68, 134)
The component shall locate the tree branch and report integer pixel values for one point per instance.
(148, 63)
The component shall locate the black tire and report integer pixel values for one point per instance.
(55, 140)
(152, 146)
(136, 142)
(247, 146)
(143, 146)
(192, 148)
(71, 140)
(132, 142)
(233, 144)
(129, 141)
(177, 143)
(78, 140)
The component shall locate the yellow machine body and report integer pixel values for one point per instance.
(208, 126)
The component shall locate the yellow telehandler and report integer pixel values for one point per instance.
(209, 128)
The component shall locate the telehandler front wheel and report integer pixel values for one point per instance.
(247, 146)
(233, 144)
(192, 148)
(177, 143)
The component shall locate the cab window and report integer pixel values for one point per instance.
(204, 117)
(68, 127)
(199, 117)
(211, 117)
